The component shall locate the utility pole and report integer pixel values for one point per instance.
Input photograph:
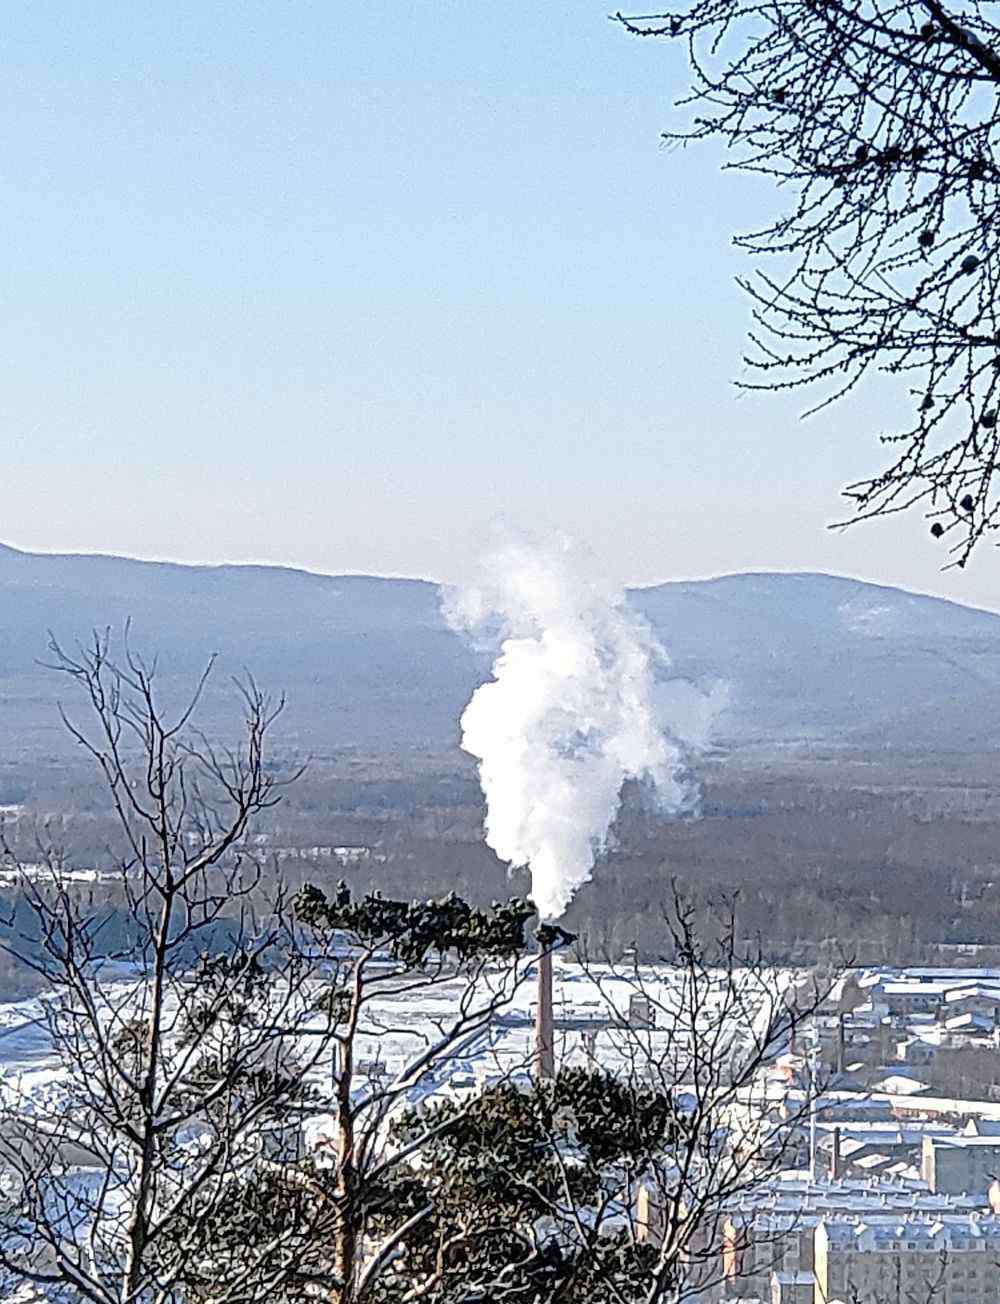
(813, 1057)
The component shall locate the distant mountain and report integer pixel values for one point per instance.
(821, 656)
(363, 661)
(369, 662)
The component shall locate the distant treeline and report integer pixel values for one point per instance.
(877, 858)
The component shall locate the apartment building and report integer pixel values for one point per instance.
(773, 1230)
(949, 1260)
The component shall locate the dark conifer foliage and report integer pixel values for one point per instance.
(410, 931)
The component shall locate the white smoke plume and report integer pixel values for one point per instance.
(570, 714)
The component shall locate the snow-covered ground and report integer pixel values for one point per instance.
(40, 872)
(591, 1010)
(596, 1022)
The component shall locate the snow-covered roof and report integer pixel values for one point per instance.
(899, 1084)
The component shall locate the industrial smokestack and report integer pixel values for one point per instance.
(545, 1047)
(841, 1044)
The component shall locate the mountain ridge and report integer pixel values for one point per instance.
(369, 660)
(279, 568)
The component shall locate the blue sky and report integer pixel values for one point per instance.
(337, 285)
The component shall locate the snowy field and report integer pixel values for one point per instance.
(39, 872)
(594, 1024)
(597, 1020)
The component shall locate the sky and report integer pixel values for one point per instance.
(340, 286)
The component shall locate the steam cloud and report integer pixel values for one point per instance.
(570, 714)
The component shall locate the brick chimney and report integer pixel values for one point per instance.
(841, 1044)
(545, 1059)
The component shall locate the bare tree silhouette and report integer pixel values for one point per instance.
(878, 120)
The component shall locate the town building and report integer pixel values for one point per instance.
(947, 1260)
(952, 1165)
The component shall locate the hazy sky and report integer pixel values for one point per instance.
(335, 285)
